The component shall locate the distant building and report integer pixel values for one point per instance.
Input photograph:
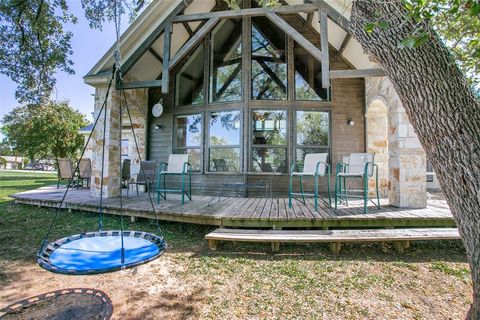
(11, 162)
(85, 132)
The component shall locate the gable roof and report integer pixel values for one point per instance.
(142, 43)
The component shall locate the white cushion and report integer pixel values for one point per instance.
(310, 164)
(175, 163)
(357, 161)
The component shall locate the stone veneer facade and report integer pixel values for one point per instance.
(406, 163)
(137, 102)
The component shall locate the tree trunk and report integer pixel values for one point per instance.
(442, 108)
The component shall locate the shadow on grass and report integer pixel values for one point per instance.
(23, 227)
(419, 252)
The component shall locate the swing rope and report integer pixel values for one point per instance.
(116, 75)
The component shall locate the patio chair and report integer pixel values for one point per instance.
(315, 165)
(125, 172)
(221, 166)
(177, 166)
(356, 166)
(65, 172)
(84, 171)
(145, 176)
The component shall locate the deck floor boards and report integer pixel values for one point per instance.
(249, 212)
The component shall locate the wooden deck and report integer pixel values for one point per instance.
(250, 212)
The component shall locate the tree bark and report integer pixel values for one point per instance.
(441, 107)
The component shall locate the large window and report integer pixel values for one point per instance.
(269, 140)
(308, 76)
(188, 138)
(312, 134)
(226, 61)
(189, 80)
(224, 141)
(269, 61)
(210, 85)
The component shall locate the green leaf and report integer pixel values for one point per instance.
(475, 9)
(369, 27)
(408, 42)
(383, 25)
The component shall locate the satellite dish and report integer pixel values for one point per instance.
(157, 109)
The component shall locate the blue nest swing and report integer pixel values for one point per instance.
(101, 251)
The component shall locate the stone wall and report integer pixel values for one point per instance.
(377, 142)
(406, 160)
(137, 102)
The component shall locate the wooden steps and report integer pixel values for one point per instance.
(400, 237)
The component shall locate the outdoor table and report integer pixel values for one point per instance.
(266, 185)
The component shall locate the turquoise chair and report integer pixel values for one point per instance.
(356, 166)
(177, 165)
(315, 165)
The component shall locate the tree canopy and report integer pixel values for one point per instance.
(32, 32)
(35, 45)
(44, 131)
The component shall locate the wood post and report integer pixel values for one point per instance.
(212, 244)
(275, 246)
(167, 35)
(335, 247)
(323, 20)
(400, 246)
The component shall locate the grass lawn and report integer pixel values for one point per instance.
(366, 281)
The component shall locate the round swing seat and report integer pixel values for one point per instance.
(99, 252)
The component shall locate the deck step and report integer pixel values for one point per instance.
(400, 237)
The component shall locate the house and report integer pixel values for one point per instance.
(11, 162)
(257, 87)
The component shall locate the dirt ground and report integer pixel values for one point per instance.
(197, 284)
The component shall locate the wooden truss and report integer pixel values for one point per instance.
(210, 20)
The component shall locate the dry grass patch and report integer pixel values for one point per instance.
(429, 281)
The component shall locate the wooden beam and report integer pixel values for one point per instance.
(193, 41)
(300, 39)
(358, 73)
(133, 58)
(167, 36)
(246, 12)
(336, 16)
(272, 75)
(155, 54)
(323, 19)
(344, 44)
(140, 84)
(229, 80)
(187, 27)
(308, 20)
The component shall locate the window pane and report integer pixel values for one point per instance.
(312, 128)
(269, 159)
(226, 61)
(302, 152)
(308, 76)
(188, 130)
(224, 159)
(269, 61)
(194, 157)
(225, 128)
(189, 80)
(270, 127)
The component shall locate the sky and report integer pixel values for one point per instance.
(88, 47)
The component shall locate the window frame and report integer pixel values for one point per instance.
(297, 146)
(252, 145)
(200, 147)
(209, 67)
(287, 55)
(208, 146)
